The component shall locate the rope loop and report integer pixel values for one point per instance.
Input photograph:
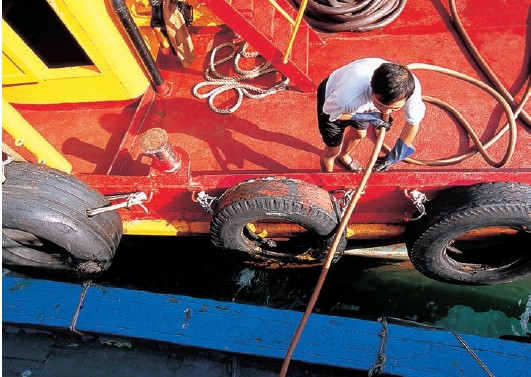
(222, 83)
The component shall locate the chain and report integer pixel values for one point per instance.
(378, 367)
(344, 200)
(135, 198)
(418, 199)
(4, 163)
(206, 201)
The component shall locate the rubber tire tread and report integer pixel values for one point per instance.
(67, 185)
(51, 204)
(459, 210)
(232, 217)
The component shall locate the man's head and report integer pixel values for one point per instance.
(392, 84)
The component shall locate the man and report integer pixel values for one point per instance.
(365, 92)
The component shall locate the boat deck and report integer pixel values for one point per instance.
(278, 134)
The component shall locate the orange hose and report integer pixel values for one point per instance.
(479, 147)
(484, 66)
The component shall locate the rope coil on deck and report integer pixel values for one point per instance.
(224, 83)
(351, 15)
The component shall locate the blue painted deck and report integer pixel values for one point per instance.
(252, 330)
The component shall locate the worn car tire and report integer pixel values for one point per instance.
(438, 250)
(283, 200)
(45, 227)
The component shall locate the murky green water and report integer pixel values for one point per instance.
(491, 311)
(355, 287)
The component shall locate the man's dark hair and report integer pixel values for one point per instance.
(392, 82)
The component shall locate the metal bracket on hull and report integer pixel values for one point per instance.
(206, 201)
(135, 198)
(418, 199)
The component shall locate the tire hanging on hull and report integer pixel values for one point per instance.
(474, 235)
(242, 207)
(45, 228)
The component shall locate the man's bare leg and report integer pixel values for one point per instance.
(351, 141)
(328, 157)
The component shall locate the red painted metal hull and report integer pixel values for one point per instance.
(278, 136)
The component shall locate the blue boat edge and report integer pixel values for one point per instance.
(327, 340)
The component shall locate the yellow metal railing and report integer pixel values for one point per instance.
(25, 135)
(296, 23)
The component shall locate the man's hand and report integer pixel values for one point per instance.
(374, 118)
(399, 152)
(382, 123)
(382, 164)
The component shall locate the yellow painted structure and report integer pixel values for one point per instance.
(116, 73)
(165, 228)
(162, 227)
(204, 17)
(25, 135)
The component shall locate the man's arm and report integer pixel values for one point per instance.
(375, 118)
(345, 116)
(408, 133)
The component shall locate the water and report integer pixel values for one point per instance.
(355, 287)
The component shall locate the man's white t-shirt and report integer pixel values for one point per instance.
(348, 90)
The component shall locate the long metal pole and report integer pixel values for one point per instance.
(343, 224)
(140, 46)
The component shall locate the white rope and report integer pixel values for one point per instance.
(223, 83)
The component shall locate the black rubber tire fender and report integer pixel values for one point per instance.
(277, 199)
(457, 211)
(46, 206)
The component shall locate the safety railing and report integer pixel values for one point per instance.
(296, 23)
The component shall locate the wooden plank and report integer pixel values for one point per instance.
(223, 326)
(438, 353)
(39, 302)
(266, 332)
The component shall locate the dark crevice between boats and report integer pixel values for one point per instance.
(357, 287)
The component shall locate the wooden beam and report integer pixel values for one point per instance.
(253, 330)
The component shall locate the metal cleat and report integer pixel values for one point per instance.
(135, 198)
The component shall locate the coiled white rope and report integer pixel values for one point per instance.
(223, 83)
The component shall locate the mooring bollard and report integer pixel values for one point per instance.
(156, 143)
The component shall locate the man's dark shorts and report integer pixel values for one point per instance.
(332, 132)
